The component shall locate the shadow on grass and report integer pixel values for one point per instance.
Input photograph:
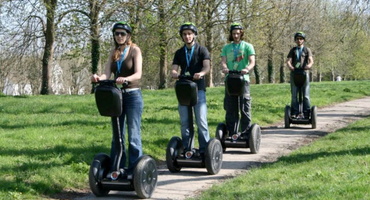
(152, 120)
(32, 161)
(36, 124)
(302, 158)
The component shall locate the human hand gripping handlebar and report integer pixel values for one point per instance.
(111, 82)
(188, 77)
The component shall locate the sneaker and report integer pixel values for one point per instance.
(293, 116)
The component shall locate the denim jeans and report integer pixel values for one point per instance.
(232, 111)
(200, 112)
(306, 96)
(132, 111)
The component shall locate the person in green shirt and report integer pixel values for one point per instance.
(238, 55)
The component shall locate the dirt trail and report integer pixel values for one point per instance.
(276, 141)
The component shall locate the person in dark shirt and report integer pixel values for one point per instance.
(300, 58)
(194, 60)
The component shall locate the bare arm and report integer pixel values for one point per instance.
(250, 66)
(175, 71)
(225, 70)
(205, 70)
(310, 63)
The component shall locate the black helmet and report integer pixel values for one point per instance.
(122, 25)
(299, 34)
(235, 26)
(188, 26)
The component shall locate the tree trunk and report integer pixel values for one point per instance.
(270, 68)
(256, 70)
(49, 46)
(95, 42)
(209, 45)
(282, 72)
(163, 47)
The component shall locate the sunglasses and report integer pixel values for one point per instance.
(120, 33)
(299, 39)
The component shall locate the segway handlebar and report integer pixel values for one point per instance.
(111, 82)
(235, 72)
(187, 77)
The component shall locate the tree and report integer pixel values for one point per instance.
(49, 33)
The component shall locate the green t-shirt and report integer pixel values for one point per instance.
(237, 56)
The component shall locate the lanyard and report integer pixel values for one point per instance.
(188, 55)
(119, 63)
(299, 53)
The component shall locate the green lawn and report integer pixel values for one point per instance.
(48, 142)
(336, 166)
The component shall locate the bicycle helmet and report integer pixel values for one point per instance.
(235, 25)
(299, 34)
(188, 26)
(122, 25)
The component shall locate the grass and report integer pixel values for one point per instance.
(334, 167)
(48, 142)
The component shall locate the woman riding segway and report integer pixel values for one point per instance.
(125, 107)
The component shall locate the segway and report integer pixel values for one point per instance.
(234, 84)
(299, 78)
(105, 173)
(176, 155)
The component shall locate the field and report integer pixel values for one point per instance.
(48, 142)
(334, 167)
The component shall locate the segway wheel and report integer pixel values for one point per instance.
(287, 117)
(213, 156)
(221, 133)
(99, 168)
(145, 177)
(254, 138)
(174, 149)
(313, 116)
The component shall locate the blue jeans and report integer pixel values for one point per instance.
(200, 112)
(132, 111)
(305, 94)
(232, 111)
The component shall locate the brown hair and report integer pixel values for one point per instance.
(241, 35)
(117, 49)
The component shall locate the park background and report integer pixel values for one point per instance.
(53, 46)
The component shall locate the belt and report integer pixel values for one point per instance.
(129, 90)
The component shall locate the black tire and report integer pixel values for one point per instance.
(313, 116)
(213, 156)
(221, 134)
(174, 149)
(287, 117)
(99, 168)
(145, 177)
(254, 139)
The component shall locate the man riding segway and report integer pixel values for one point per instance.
(299, 61)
